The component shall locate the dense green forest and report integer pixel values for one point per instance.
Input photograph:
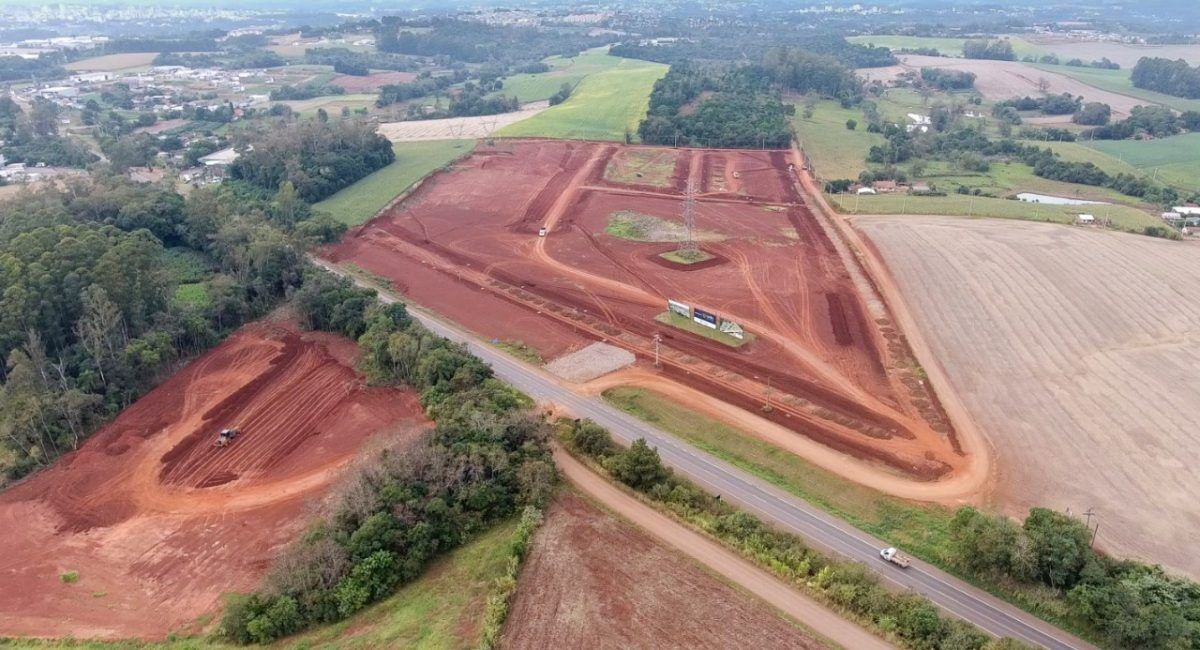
(88, 273)
(721, 105)
(735, 45)
(996, 49)
(477, 42)
(1166, 76)
(317, 158)
(486, 457)
(43, 68)
(702, 105)
(340, 56)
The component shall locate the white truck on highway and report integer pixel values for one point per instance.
(895, 557)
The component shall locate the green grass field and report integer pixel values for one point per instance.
(642, 167)
(332, 104)
(1117, 81)
(605, 106)
(441, 610)
(414, 160)
(569, 70)
(1123, 217)
(191, 294)
(946, 46)
(1174, 160)
(835, 151)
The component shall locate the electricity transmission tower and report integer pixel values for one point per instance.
(689, 246)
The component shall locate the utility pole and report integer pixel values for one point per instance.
(657, 338)
(767, 395)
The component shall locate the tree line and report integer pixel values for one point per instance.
(485, 458)
(476, 42)
(317, 158)
(731, 44)
(1166, 76)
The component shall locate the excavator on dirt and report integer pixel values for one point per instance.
(226, 436)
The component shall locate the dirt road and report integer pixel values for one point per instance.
(734, 568)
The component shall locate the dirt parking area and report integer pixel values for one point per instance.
(157, 523)
(593, 581)
(1077, 352)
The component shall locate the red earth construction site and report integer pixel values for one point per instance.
(156, 522)
(824, 347)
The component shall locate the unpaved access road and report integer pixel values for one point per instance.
(721, 560)
(775, 506)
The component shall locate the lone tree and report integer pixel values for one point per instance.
(639, 467)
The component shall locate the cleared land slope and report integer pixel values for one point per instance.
(1078, 353)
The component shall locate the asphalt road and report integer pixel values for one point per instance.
(785, 511)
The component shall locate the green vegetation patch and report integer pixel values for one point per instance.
(69, 577)
(604, 106)
(835, 151)
(1118, 81)
(189, 265)
(443, 609)
(641, 227)
(192, 294)
(1174, 160)
(947, 46)
(520, 350)
(532, 87)
(1122, 216)
(359, 202)
(680, 256)
(643, 167)
(689, 325)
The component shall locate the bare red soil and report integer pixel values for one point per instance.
(371, 82)
(836, 374)
(157, 521)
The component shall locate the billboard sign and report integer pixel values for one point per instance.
(682, 309)
(704, 318)
(733, 329)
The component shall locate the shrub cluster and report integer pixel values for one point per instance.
(506, 585)
(1135, 605)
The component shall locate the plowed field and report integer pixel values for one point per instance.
(596, 582)
(824, 347)
(156, 521)
(1077, 352)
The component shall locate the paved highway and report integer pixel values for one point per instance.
(785, 511)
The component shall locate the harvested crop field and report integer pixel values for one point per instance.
(372, 82)
(1077, 353)
(594, 581)
(1000, 80)
(466, 245)
(457, 128)
(113, 62)
(157, 522)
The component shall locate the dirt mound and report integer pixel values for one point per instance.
(157, 522)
